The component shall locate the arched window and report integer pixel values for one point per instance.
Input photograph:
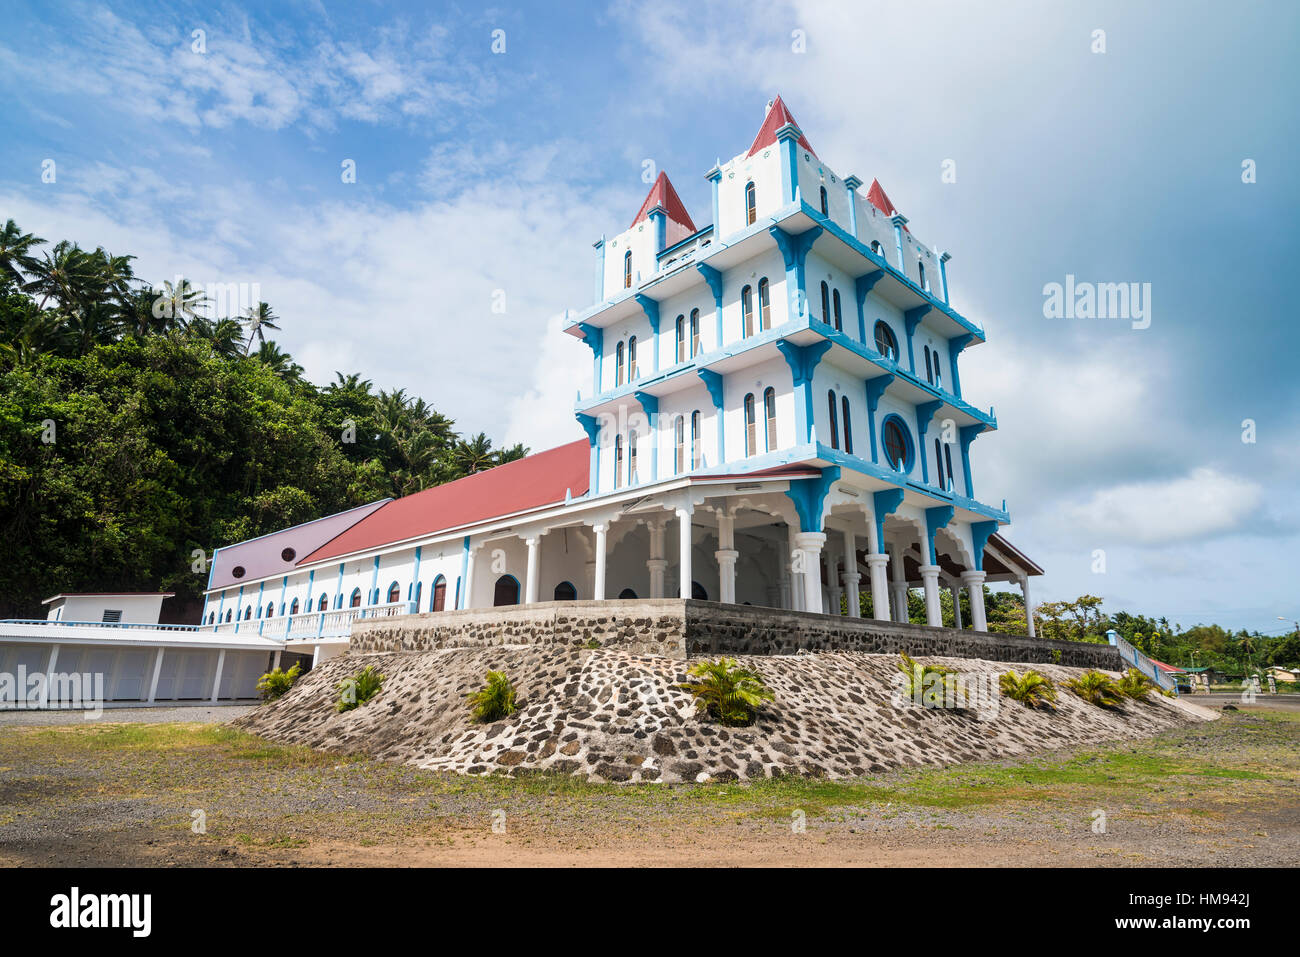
(419, 590)
(886, 344)
(938, 464)
(631, 457)
(826, 304)
(681, 338)
(324, 603)
(848, 426)
(695, 439)
(355, 601)
(212, 617)
(698, 592)
(695, 332)
(898, 444)
(627, 269)
(835, 420)
(618, 364)
(394, 593)
(826, 208)
(938, 372)
(947, 458)
(751, 212)
(921, 266)
(439, 600)
(764, 305)
(769, 416)
(839, 319)
(293, 608)
(929, 372)
(248, 612)
(270, 610)
(506, 591)
(618, 461)
(751, 426)
(631, 358)
(679, 440)
(875, 248)
(228, 612)
(565, 591)
(747, 311)
(627, 594)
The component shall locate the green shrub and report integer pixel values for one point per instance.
(1031, 689)
(1095, 688)
(275, 683)
(359, 689)
(495, 700)
(727, 692)
(931, 694)
(1135, 684)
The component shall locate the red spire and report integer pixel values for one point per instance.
(778, 115)
(877, 198)
(663, 194)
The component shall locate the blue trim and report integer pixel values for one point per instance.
(861, 286)
(875, 389)
(464, 572)
(714, 382)
(935, 519)
(898, 242)
(787, 138)
(883, 503)
(967, 435)
(910, 461)
(980, 533)
(794, 253)
(374, 583)
(851, 185)
(650, 405)
(714, 176)
(955, 346)
(809, 497)
(594, 337)
(415, 579)
(911, 319)
(714, 279)
(659, 222)
(600, 269)
(651, 309)
(591, 425)
(338, 599)
(803, 362)
(433, 591)
(924, 414)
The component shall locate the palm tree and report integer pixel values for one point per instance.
(67, 274)
(258, 320)
(350, 383)
(178, 305)
(16, 252)
(1246, 645)
(225, 335)
(114, 274)
(281, 363)
(474, 455)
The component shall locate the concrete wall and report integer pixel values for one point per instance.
(679, 629)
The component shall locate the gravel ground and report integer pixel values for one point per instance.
(203, 713)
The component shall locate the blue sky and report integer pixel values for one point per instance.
(481, 171)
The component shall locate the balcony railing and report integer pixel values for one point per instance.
(333, 623)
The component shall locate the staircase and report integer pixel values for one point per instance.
(1140, 661)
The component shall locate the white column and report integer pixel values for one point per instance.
(657, 563)
(956, 607)
(157, 673)
(726, 556)
(833, 590)
(684, 551)
(467, 598)
(275, 658)
(50, 664)
(851, 574)
(879, 586)
(792, 565)
(534, 569)
(899, 585)
(810, 546)
(216, 682)
(1029, 609)
(598, 585)
(930, 580)
(974, 582)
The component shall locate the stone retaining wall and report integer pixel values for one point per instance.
(679, 629)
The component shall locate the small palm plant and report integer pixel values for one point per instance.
(1031, 689)
(359, 689)
(725, 691)
(1095, 688)
(932, 685)
(1136, 685)
(495, 700)
(275, 683)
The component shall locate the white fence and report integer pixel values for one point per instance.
(333, 623)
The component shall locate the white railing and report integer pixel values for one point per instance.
(1140, 661)
(100, 624)
(333, 623)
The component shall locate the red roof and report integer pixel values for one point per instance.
(525, 484)
(877, 198)
(663, 194)
(778, 115)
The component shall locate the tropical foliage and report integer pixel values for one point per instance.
(1096, 688)
(934, 686)
(1134, 684)
(360, 688)
(495, 700)
(726, 692)
(276, 682)
(1031, 689)
(139, 430)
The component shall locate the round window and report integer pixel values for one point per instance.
(288, 554)
(238, 571)
(886, 344)
(897, 445)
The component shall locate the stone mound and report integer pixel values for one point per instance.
(615, 716)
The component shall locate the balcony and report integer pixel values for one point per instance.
(333, 623)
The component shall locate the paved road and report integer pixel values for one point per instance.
(1270, 702)
(207, 714)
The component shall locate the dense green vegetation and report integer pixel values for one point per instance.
(136, 429)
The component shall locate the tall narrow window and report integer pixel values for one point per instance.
(947, 458)
(769, 414)
(751, 212)
(938, 463)
(848, 425)
(439, 601)
(618, 364)
(618, 461)
(631, 358)
(631, 457)
(695, 439)
(323, 604)
(695, 332)
(394, 593)
(835, 424)
(681, 338)
(747, 311)
(751, 427)
(938, 372)
(929, 372)
(826, 304)
(839, 318)
(764, 305)
(627, 269)
(875, 248)
(826, 208)
(679, 438)
(921, 267)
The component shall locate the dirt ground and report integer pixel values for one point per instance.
(1225, 793)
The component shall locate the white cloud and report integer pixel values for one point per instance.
(1203, 503)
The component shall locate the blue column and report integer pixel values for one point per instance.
(955, 345)
(924, 413)
(899, 220)
(415, 576)
(374, 583)
(794, 253)
(803, 363)
(875, 389)
(967, 434)
(714, 176)
(861, 286)
(980, 532)
(594, 337)
(591, 426)
(882, 504)
(852, 184)
(600, 269)
(659, 223)
(787, 138)
(651, 309)
(338, 598)
(239, 608)
(911, 319)
(311, 580)
(935, 519)
(284, 586)
(650, 405)
(462, 600)
(714, 383)
(714, 278)
(943, 274)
